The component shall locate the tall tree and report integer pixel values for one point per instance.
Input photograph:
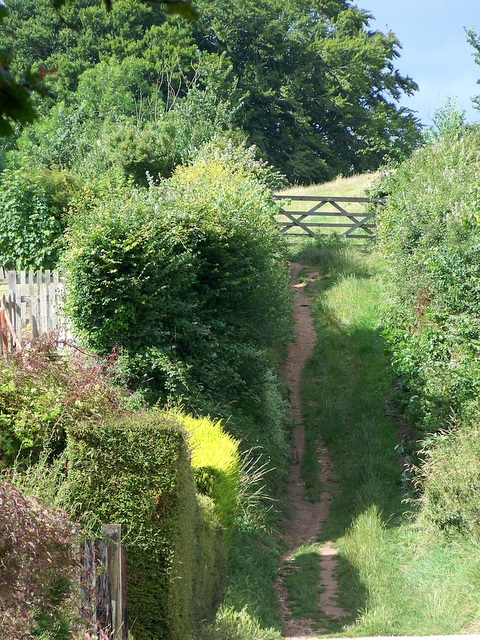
(322, 89)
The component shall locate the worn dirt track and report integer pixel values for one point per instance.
(305, 518)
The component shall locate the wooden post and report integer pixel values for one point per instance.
(103, 583)
(15, 304)
(15, 340)
(116, 572)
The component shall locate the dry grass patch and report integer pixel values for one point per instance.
(342, 186)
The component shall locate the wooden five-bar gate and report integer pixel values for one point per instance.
(312, 215)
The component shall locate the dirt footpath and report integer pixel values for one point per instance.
(305, 518)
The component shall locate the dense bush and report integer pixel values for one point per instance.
(134, 470)
(32, 217)
(189, 279)
(430, 234)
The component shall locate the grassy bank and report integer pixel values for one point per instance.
(395, 577)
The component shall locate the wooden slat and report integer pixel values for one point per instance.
(278, 196)
(48, 301)
(54, 319)
(14, 309)
(33, 304)
(324, 214)
(363, 224)
(340, 225)
(298, 222)
(42, 304)
(3, 329)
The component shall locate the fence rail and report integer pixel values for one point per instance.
(305, 215)
(30, 305)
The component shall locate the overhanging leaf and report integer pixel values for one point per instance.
(182, 8)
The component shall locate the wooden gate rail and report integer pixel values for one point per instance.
(297, 222)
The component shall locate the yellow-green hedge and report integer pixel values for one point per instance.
(216, 466)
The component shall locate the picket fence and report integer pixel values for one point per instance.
(30, 306)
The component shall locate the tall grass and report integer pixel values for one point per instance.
(250, 609)
(395, 575)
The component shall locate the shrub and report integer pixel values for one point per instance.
(42, 393)
(231, 149)
(134, 470)
(32, 217)
(189, 280)
(37, 568)
(429, 233)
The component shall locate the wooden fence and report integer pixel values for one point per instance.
(30, 305)
(104, 584)
(305, 215)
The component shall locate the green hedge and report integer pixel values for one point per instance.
(189, 278)
(429, 232)
(135, 470)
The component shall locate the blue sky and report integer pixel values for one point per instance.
(435, 51)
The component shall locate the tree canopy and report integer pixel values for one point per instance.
(312, 86)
